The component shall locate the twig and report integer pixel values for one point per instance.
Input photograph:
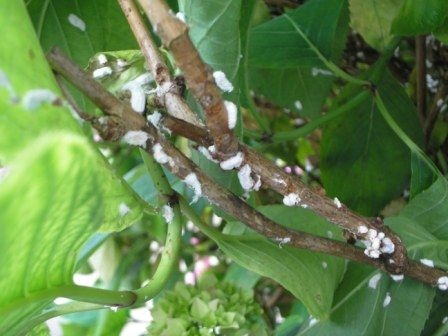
(171, 98)
(200, 81)
(420, 63)
(181, 166)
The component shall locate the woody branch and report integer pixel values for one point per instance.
(174, 35)
(127, 120)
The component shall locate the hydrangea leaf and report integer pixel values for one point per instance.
(295, 269)
(50, 208)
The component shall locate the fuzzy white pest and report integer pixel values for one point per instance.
(373, 281)
(221, 80)
(5, 83)
(121, 63)
(102, 72)
(291, 199)
(324, 265)
(77, 22)
(232, 162)
(191, 180)
(282, 241)
(123, 209)
(362, 229)
(160, 156)
(168, 213)
(232, 113)
(298, 105)
(397, 278)
(181, 17)
(427, 262)
(337, 202)
(445, 320)
(442, 283)
(33, 99)
(387, 300)
(246, 181)
(138, 99)
(155, 118)
(377, 243)
(136, 138)
(313, 321)
(317, 71)
(164, 88)
(204, 151)
(102, 59)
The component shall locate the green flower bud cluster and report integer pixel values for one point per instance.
(210, 308)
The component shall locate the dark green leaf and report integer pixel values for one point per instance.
(278, 44)
(293, 85)
(420, 17)
(363, 162)
(359, 309)
(421, 176)
(296, 270)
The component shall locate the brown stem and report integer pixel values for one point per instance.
(420, 55)
(172, 100)
(182, 166)
(200, 81)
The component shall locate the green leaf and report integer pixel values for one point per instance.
(106, 27)
(373, 20)
(363, 162)
(296, 270)
(288, 84)
(51, 206)
(26, 69)
(421, 176)
(106, 30)
(430, 209)
(359, 309)
(278, 43)
(420, 17)
(215, 31)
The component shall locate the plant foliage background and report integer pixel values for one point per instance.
(63, 187)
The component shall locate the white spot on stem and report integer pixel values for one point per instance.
(222, 82)
(136, 138)
(442, 283)
(233, 162)
(291, 199)
(298, 105)
(191, 180)
(168, 213)
(102, 59)
(337, 202)
(232, 113)
(181, 17)
(398, 277)
(160, 156)
(427, 262)
(102, 72)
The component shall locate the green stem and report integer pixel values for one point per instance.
(68, 308)
(311, 126)
(442, 331)
(79, 293)
(330, 65)
(402, 135)
(171, 250)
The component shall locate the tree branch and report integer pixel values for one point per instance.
(181, 166)
(171, 99)
(420, 61)
(200, 81)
